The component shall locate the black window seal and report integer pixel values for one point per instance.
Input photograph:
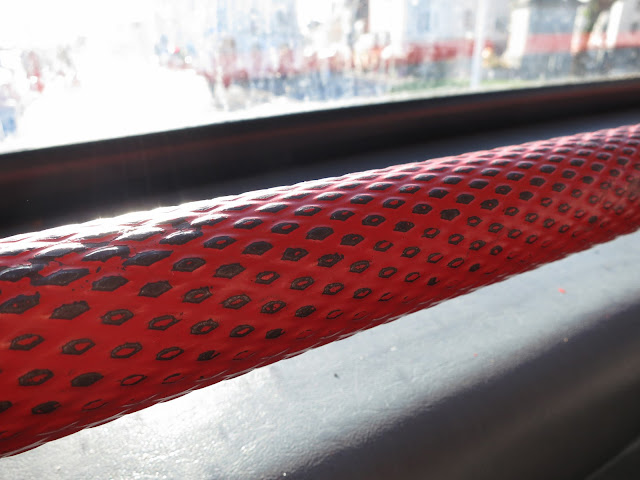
(44, 187)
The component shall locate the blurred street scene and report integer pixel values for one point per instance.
(73, 71)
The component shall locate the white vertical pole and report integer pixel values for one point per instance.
(479, 37)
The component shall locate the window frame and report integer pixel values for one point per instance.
(72, 183)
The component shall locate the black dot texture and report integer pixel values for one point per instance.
(113, 316)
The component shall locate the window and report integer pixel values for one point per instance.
(119, 69)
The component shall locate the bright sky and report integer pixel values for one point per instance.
(27, 23)
(309, 10)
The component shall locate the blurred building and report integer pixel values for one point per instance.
(623, 27)
(419, 21)
(540, 33)
(408, 21)
(553, 38)
(438, 33)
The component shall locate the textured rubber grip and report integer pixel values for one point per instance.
(105, 318)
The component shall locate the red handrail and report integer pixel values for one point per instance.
(105, 318)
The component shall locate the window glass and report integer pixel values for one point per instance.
(73, 71)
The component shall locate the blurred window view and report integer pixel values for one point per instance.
(74, 71)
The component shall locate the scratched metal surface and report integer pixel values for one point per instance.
(445, 391)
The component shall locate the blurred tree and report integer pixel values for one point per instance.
(586, 21)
